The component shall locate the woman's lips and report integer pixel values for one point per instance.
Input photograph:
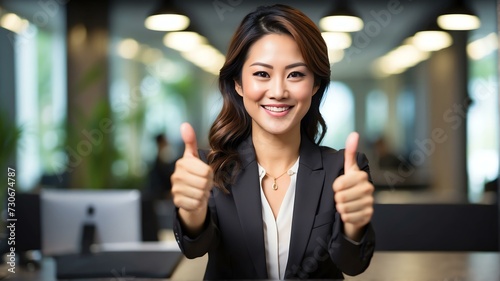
(277, 110)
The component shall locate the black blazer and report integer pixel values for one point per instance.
(233, 233)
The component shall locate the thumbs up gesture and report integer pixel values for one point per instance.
(192, 181)
(353, 193)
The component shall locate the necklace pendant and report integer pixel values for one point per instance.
(275, 186)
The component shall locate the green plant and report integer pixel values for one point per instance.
(10, 135)
(9, 138)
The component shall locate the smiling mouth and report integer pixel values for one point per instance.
(277, 108)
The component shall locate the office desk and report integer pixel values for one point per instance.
(385, 266)
(439, 266)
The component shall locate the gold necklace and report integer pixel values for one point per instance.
(275, 185)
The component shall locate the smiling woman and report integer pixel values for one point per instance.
(276, 94)
(266, 201)
(312, 52)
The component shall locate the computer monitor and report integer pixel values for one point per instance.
(116, 215)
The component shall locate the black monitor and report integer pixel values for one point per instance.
(70, 217)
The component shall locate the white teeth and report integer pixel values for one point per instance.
(276, 109)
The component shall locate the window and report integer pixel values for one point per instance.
(338, 111)
(377, 111)
(41, 103)
(145, 100)
(482, 135)
(483, 115)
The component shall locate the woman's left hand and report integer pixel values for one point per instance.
(353, 193)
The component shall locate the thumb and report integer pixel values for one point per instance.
(351, 146)
(189, 138)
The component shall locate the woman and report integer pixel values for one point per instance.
(282, 206)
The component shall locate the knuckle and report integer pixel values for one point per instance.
(177, 201)
(175, 177)
(196, 194)
(196, 204)
(337, 183)
(368, 188)
(179, 163)
(206, 184)
(345, 209)
(370, 200)
(174, 189)
(208, 173)
(200, 195)
(369, 212)
(344, 217)
(340, 208)
(338, 198)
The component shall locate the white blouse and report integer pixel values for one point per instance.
(277, 232)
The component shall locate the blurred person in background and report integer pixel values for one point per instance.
(158, 181)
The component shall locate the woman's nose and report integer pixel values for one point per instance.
(278, 90)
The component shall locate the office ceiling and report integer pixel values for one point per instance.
(127, 21)
(219, 25)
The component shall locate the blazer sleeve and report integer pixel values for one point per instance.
(194, 247)
(350, 257)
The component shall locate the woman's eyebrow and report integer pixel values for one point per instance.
(286, 67)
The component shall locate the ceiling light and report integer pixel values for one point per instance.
(341, 18)
(183, 40)
(482, 47)
(206, 57)
(408, 55)
(166, 18)
(432, 40)
(14, 23)
(337, 40)
(399, 59)
(335, 55)
(459, 17)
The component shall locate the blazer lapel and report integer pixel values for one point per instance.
(246, 193)
(310, 178)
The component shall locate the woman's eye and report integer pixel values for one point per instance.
(261, 74)
(296, 74)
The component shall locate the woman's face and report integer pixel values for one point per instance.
(276, 85)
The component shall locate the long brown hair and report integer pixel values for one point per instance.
(233, 124)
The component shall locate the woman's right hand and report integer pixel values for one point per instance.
(192, 181)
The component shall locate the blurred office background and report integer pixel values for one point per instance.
(85, 87)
